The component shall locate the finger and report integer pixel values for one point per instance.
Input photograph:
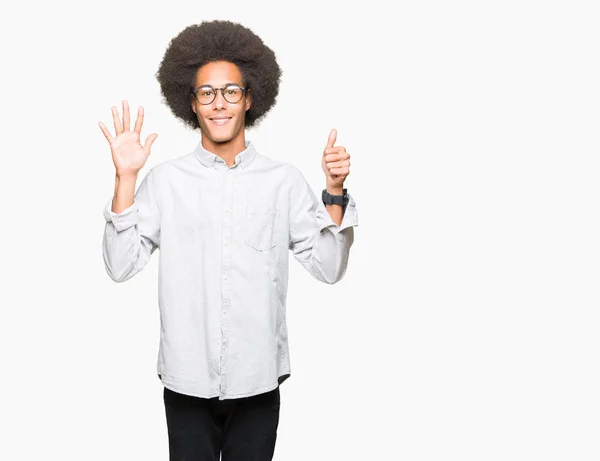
(107, 134)
(332, 138)
(149, 140)
(337, 157)
(340, 171)
(341, 164)
(126, 123)
(117, 121)
(335, 150)
(139, 121)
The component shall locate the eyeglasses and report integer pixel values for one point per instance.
(207, 94)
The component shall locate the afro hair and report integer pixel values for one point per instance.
(218, 40)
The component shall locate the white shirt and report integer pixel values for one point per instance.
(224, 235)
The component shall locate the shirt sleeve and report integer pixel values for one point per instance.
(131, 236)
(317, 242)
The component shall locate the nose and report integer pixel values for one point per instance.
(219, 100)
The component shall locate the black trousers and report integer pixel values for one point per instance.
(201, 429)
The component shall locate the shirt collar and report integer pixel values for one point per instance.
(209, 159)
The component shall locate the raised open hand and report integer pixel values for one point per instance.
(129, 156)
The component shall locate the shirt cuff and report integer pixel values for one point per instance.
(350, 218)
(123, 220)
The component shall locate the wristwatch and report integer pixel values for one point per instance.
(329, 199)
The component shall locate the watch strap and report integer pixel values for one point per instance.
(330, 199)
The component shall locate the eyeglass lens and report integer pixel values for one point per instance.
(206, 95)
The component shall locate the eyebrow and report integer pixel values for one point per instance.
(225, 84)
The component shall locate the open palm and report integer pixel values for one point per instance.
(129, 155)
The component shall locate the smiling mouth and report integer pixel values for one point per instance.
(220, 121)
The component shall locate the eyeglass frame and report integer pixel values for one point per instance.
(244, 91)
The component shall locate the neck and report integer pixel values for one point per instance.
(226, 150)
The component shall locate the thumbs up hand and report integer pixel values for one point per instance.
(335, 163)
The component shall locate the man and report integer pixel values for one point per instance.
(224, 218)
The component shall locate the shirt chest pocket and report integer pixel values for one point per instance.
(261, 227)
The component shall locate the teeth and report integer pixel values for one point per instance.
(220, 121)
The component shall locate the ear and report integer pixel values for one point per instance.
(248, 100)
(193, 103)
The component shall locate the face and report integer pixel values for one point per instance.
(221, 121)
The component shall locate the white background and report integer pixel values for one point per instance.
(467, 324)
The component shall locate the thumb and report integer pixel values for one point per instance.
(149, 140)
(332, 138)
